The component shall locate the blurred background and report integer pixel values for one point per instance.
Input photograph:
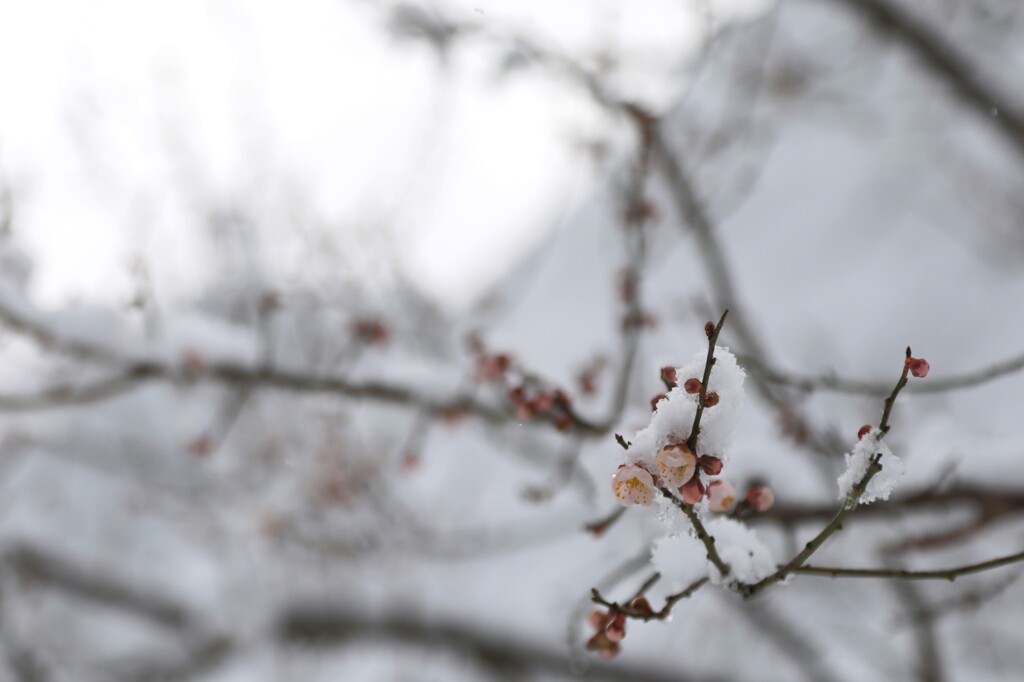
(272, 273)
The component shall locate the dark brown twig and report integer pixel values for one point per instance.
(849, 504)
(949, 574)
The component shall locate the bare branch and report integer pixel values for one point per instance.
(840, 384)
(949, 574)
(946, 62)
(848, 505)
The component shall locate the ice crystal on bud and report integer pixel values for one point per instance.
(676, 464)
(633, 485)
(721, 495)
(857, 463)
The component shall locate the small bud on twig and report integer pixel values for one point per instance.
(692, 385)
(710, 465)
(918, 367)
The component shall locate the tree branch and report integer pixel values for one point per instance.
(949, 574)
(946, 62)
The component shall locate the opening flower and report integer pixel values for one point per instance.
(720, 495)
(632, 485)
(676, 464)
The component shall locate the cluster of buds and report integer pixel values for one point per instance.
(528, 399)
(678, 468)
(553, 405)
(491, 367)
(610, 629)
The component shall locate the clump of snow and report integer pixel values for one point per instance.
(680, 558)
(857, 463)
(749, 559)
(673, 417)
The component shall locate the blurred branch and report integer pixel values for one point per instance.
(833, 382)
(944, 60)
(793, 644)
(922, 619)
(310, 625)
(325, 626)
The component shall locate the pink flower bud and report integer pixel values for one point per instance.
(563, 422)
(616, 630)
(710, 465)
(657, 399)
(711, 399)
(598, 619)
(640, 606)
(542, 403)
(632, 485)
(760, 498)
(676, 464)
(864, 430)
(720, 495)
(709, 329)
(692, 385)
(668, 375)
(918, 367)
(692, 491)
(605, 647)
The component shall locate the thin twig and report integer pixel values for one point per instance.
(850, 503)
(840, 384)
(645, 614)
(949, 574)
(702, 533)
(691, 441)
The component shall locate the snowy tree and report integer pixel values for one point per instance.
(621, 341)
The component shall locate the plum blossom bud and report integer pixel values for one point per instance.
(632, 485)
(669, 376)
(711, 399)
(676, 464)
(709, 329)
(760, 498)
(692, 385)
(640, 606)
(710, 465)
(864, 430)
(598, 619)
(918, 367)
(692, 491)
(542, 403)
(616, 629)
(657, 399)
(605, 647)
(720, 495)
